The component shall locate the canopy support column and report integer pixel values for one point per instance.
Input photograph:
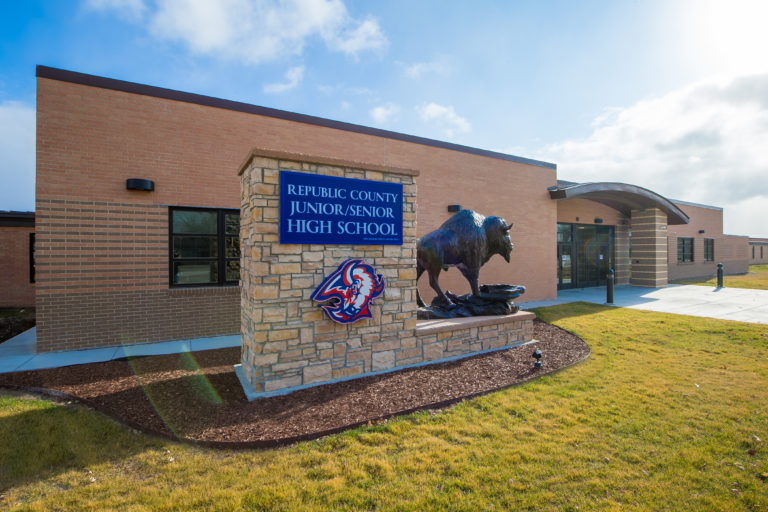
(649, 248)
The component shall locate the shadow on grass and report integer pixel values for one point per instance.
(41, 439)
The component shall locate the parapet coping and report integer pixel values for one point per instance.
(427, 327)
(321, 160)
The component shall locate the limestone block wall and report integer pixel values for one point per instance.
(288, 341)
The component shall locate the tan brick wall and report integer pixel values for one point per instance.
(757, 252)
(288, 342)
(730, 251)
(107, 318)
(15, 288)
(90, 140)
(103, 280)
(735, 254)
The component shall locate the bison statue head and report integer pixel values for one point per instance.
(497, 234)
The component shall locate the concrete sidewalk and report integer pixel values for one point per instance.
(20, 353)
(724, 303)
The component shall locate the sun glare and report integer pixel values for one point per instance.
(728, 36)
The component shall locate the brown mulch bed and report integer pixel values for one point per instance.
(197, 397)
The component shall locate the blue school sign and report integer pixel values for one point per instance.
(318, 209)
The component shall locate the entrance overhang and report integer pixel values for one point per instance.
(622, 197)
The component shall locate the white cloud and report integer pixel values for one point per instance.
(384, 113)
(253, 31)
(367, 36)
(704, 143)
(419, 69)
(293, 76)
(17, 154)
(445, 117)
(131, 10)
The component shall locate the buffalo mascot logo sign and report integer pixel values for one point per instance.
(354, 285)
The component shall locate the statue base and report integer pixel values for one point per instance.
(494, 299)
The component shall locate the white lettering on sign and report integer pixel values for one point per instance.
(309, 226)
(350, 210)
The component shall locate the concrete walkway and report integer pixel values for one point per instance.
(724, 303)
(20, 353)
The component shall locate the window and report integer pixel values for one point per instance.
(709, 249)
(684, 250)
(31, 257)
(205, 246)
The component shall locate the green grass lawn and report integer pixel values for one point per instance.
(755, 279)
(665, 415)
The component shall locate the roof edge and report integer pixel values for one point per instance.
(17, 219)
(321, 160)
(64, 75)
(700, 205)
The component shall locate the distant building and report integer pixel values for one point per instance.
(758, 251)
(17, 259)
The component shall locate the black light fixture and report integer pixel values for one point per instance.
(701, 231)
(598, 220)
(454, 207)
(139, 184)
(537, 354)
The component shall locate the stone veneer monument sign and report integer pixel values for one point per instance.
(302, 218)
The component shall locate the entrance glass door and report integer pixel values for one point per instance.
(584, 255)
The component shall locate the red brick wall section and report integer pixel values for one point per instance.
(15, 287)
(95, 237)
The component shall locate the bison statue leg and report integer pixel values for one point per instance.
(442, 299)
(472, 275)
(419, 271)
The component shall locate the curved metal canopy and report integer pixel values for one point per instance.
(622, 197)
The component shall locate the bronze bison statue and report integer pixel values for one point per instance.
(465, 241)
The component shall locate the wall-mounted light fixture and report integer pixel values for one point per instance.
(454, 207)
(598, 220)
(139, 184)
(701, 231)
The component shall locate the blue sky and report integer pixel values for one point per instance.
(669, 95)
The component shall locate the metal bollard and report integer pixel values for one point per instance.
(609, 287)
(719, 275)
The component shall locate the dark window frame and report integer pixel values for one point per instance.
(221, 259)
(709, 249)
(685, 249)
(31, 257)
